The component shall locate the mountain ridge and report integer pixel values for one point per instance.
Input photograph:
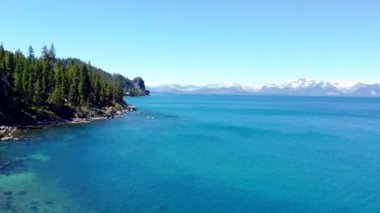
(302, 87)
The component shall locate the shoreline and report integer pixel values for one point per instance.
(13, 132)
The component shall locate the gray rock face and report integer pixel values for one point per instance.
(139, 85)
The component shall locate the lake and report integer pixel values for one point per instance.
(203, 153)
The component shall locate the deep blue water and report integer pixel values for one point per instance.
(205, 153)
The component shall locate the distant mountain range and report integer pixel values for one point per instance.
(302, 87)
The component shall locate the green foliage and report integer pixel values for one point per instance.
(49, 87)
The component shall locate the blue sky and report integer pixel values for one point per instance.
(205, 41)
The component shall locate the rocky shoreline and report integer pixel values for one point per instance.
(13, 133)
(7, 133)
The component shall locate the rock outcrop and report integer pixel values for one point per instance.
(135, 87)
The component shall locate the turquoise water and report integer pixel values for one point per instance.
(194, 153)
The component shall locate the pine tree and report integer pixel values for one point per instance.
(51, 52)
(103, 94)
(84, 85)
(57, 97)
(30, 53)
(46, 73)
(31, 81)
(45, 51)
(74, 82)
(25, 81)
(18, 75)
(38, 91)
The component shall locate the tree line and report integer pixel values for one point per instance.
(33, 87)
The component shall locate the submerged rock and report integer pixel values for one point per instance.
(34, 209)
(162, 208)
(7, 166)
(7, 193)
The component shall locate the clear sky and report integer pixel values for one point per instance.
(205, 41)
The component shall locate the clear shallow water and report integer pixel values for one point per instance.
(194, 153)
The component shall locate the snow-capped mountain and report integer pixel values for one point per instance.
(304, 87)
(205, 89)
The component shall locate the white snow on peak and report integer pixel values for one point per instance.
(307, 83)
(300, 83)
(302, 86)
